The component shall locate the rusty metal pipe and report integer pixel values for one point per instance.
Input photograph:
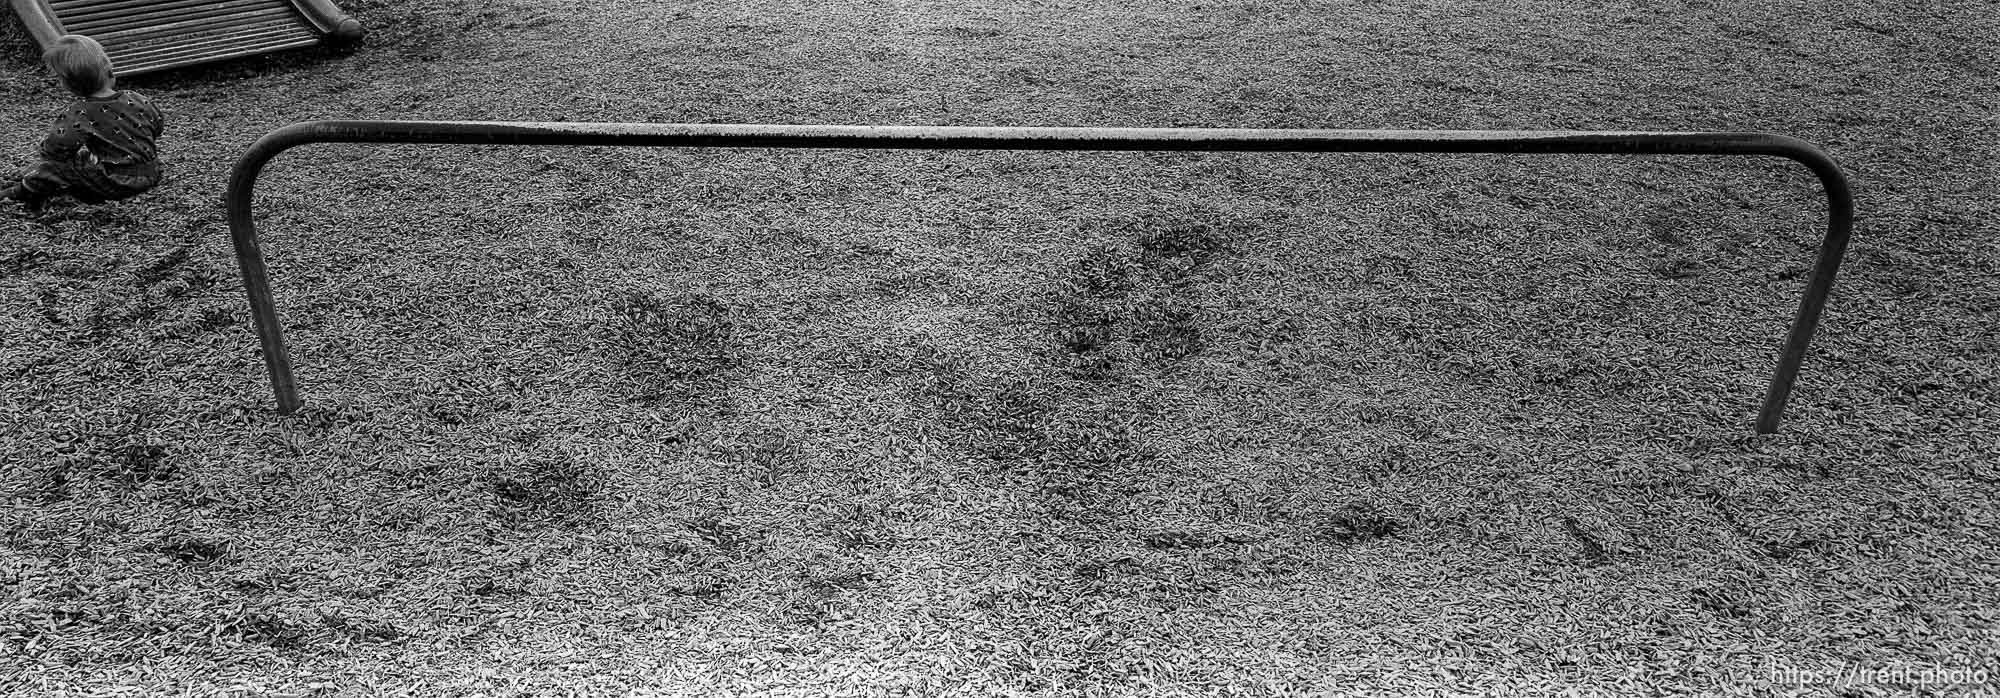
(277, 361)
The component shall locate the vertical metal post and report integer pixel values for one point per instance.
(1839, 227)
(256, 279)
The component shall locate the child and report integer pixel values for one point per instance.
(102, 146)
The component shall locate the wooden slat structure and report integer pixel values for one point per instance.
(144, 36)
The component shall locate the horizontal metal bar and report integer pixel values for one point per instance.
(278, 362)
(1038, 138)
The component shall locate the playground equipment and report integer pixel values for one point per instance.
(144, 36)
(277, 360)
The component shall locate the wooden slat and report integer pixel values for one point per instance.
(163, 63)
(207, 42)
(90, 7)
(83, 22)
(213, 41)
(197, 23)
(210, 26)
(128, 7)
(245, 43)
(181, 23)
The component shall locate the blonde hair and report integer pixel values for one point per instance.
(81, 63)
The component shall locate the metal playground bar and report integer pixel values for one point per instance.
(256, 281)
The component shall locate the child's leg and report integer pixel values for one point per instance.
(11, 194)
(43, 181)
(10, 189)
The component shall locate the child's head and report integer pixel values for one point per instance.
(81, 63)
